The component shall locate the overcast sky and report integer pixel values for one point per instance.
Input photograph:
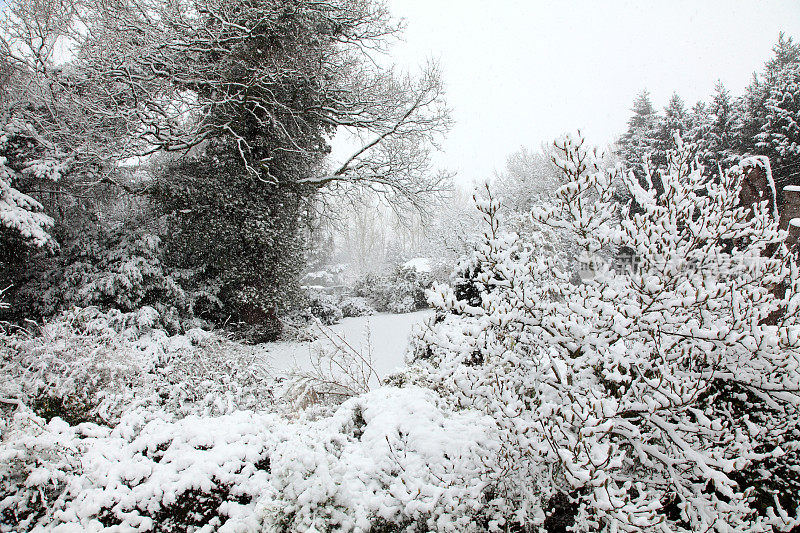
(521, 72)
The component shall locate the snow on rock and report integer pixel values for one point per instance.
(762, 161)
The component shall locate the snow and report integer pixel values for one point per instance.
(795, 222)
(420, 264)
(792, 188)
(383, 336)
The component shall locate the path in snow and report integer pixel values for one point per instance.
(383, 336)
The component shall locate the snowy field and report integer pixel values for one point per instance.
(381, 338)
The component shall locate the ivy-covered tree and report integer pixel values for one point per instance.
(236, 243)
(247, 97)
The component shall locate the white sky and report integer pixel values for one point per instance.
(523, 72)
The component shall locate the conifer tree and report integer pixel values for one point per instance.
(719, 140)
(779, 113)
(768, 114)
(638, 143)
(675, 121)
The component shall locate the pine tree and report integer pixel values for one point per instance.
(718, 143)
(675, 121)
(676, 117)
(641, 139)
(768, 114)
(749, 117)
(699, 122)
(779, 131)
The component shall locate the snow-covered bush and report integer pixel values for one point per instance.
(90, 365)
(121, 270)
(150, 472)
(401, 292)
(659, 397)
(374, 287)
(37, 462)
(408, 293)
(329, 309)
(393, 459)
(324, 307)
(331, 276)
(356, 306)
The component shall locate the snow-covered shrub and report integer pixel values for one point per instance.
(409, 285)
(658, 397)
(356, 306)
(325, 307)
(374, 288)
(316, 307)
(393, 459)
(37, 461)
(121, 270)
(90, 365)
(150, 472)
(401, 292)
(331, 276)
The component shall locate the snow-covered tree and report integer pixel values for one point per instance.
(528, 177)
(656, 397)
(248, 94)
(768, 114)
(23, 222)
(452, 233)
(716, 146)
(675, 120)
(779, 135)
(20, 214)
(640, 140)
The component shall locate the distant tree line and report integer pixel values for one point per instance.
(765, 121)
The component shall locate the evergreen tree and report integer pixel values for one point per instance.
(639, 142)
(768, 114)
(779, 113)
(674, 121)
(699, 122)
(676, 117)
(718, 143)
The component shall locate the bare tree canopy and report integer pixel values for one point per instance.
(275, 78)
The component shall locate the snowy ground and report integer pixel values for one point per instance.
(383, 338)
